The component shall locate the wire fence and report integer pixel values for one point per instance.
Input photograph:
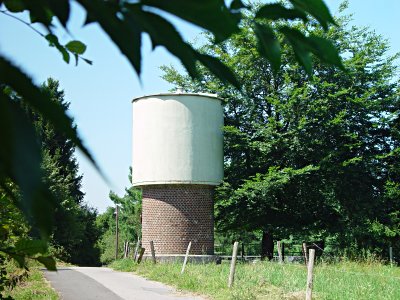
(314, 267)
(295, 252)
(309, 251)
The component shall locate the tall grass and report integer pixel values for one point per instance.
(268, 280)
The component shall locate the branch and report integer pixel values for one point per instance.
(5, 12)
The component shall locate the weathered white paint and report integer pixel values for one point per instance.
(177, 138)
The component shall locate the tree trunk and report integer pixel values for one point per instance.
(267, 246)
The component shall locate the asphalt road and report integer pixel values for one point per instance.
(74, 283)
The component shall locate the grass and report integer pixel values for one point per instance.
(34, 287)
(267, 280)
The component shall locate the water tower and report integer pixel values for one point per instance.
(177, 162)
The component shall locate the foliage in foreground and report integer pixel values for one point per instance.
(267, 280)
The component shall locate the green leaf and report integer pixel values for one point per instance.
(319, 46)
(326, 51)
(126, 34)
(61, 9)
(88, 61)
(15, 5)
(31, 247)
(89, 19)
(218, 69)
(76, 47)
(23, 85)
(300, 45)
(268, 45)
(53, 41)
(20, 160)
(163, 33)
(278, 11)
(48, 262)
(64, 54)
(41, 11)
(20, 154)
(19, 259)
(237, 4)
(40, 14)
(316, 8)
(76, 56)
(212, 15)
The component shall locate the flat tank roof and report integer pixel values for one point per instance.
(214, 96)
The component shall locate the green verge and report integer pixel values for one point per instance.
(266, 280)
(34, 287)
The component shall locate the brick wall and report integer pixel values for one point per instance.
(173, 215)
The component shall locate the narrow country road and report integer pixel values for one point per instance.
(74, 283)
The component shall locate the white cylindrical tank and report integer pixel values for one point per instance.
(177, 139)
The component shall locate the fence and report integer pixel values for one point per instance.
(291, 252)
(294, 252)
(306, 252)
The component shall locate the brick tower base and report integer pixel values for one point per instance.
(174, 215)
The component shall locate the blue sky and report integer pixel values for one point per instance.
(100, 94)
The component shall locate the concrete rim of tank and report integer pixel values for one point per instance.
(174, 182)
(205, 95)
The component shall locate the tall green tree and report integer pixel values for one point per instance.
(308, 156)
(74, 232)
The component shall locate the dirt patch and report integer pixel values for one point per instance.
(295, 295)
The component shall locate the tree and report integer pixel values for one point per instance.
(124, 22)
(74, 234)
(308, 156)
(74, 230)
(129, 222)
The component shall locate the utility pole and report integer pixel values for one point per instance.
(116, 232)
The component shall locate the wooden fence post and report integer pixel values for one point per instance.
(129, 250)
(140, 255)
(153, 252)
(135, 255)
(233, 265)
(391, 256)
(186, 257)
(116, 232)
(305, 253)
(280, 256)
(310, 268)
